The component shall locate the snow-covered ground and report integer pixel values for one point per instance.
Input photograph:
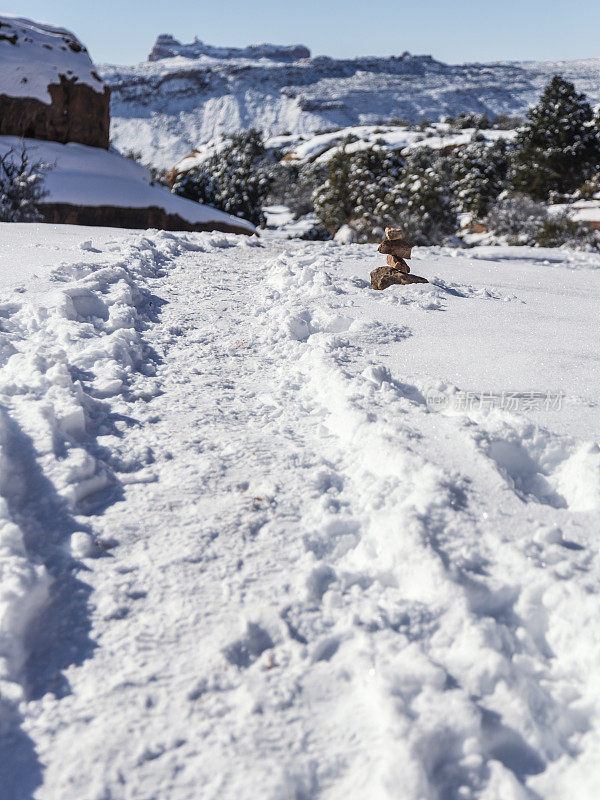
(268, 533)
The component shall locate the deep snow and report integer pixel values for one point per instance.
(268, 533)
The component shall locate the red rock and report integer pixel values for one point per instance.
(398, 263)
(127, 217)
(404, 279)
(394, 233)
(396, 247)
(77, 114)
(49, 87)
(382, 277)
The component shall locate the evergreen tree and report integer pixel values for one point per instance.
(559, 147)
(421, 203)
(332, 202)
(21, 187)
(355, 187)
(479, 175)
(235, 180)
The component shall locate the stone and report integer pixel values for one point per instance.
(130, 217)
(382, 277)
(394, 233)
(395, 247)
(398, 263)
(77, 113)
(404, 279)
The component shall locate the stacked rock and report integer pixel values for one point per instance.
(397, 249)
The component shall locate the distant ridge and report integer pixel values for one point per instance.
(166, 46)
(188, 94)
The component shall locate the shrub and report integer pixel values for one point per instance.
(235, 180)
(559, 229)
(421, 202)
(355, 187)
(469, 119)
(479, 175)
(21, 186)
(517, 218)
(293, 185)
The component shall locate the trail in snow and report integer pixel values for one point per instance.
(265, 563)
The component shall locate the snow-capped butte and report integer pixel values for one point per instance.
(165, 108)
(34, 55)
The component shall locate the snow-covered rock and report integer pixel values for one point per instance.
(91, 186)
(49, 88)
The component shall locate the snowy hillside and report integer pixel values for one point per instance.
(267, 533)
(166, 107)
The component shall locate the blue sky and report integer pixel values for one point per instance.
(123, 31)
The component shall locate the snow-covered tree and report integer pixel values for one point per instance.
(421, 202)
(21, 186)
(559, 146)
(516, 218)
(235, 180)
(293, 185)
(355, 187)
(479, 175)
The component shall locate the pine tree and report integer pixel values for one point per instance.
(479, 175)
(355, 187)
(559, 147)
(332, 201)
(421, 203)
(235, 180)
(21, 186)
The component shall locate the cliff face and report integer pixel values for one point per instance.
(49, 88)
(77, 113)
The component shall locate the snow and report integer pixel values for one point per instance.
(580, 210)
(34, 55)
(91, 176)
(323, 147)
(270, 533)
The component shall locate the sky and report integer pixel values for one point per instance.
(454, 31)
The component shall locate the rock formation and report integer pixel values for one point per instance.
(397, 270)
(49, 88)
(166, 46)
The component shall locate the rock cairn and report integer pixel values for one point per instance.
(397, 249)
